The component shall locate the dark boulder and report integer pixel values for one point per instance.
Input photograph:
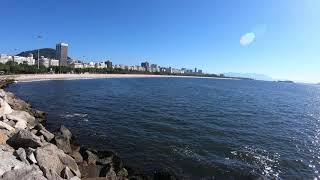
(24, 138)
(123, 173)
(37, 114)
(109, 157)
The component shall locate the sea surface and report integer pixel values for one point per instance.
(195, 128)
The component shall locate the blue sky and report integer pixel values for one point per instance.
(277, 38)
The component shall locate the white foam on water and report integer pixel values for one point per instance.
(71, 115)
(266, 163)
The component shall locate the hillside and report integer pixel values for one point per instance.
(46, 52)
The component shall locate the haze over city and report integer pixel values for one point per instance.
(275, 38)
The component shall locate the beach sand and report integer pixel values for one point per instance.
(44, 77)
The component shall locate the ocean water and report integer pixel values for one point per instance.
(195, 128)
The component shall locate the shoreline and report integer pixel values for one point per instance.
(47, 77)
(29, 151)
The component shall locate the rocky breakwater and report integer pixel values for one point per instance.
(29, 151)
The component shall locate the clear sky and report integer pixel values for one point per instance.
(279, 38)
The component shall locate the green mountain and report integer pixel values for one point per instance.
(46, 52)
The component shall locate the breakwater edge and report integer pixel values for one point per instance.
(29, 151)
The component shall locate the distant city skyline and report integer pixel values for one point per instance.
(279, 39)
(59, 58)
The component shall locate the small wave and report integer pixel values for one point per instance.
(74, 115)
(266, 163)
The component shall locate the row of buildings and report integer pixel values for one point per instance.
(62, 55)
(145, 67)
(61, 59)
(18, 59)
(29, 60)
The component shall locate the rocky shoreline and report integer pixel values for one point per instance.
(29, 151)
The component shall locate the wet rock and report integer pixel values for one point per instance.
(75, 147)
(109, 157)
(28, 173)
(38, 114)
(50, 157)
(24, 139)
(66, 173)
(90, 157)
(123, 173)
(6, 126)
(21, 154)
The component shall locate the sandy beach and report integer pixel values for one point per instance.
(45, 77)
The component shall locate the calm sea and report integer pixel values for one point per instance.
(196, 128)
